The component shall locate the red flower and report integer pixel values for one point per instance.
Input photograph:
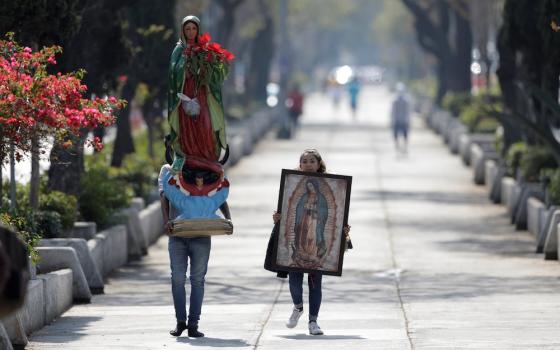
(36, 104)
(228, 55)
(215, 47)
(204, 39)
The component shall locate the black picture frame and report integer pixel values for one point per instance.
(311, 200)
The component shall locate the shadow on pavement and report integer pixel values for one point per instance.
(213, 342)
(320, 337)
(460, 198)
(76, 323)
(504, 247)
(455, 286)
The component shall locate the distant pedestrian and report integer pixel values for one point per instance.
(400, 117)
(334, 90)
(309, 161)
(294, 102)
(354, 91)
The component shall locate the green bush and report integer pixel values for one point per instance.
(102, 193)
(499, 140)
(25, 225)
(425, 87)
(140, 173)
(475, 117)
(486, 125)
(552, 176)
(64, 204)
(48, 224)
(141, 145)
(456, 102)
(533, 160)
(513, 157)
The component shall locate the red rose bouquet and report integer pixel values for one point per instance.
(206, 59)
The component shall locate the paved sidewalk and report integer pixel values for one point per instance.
(435, 265)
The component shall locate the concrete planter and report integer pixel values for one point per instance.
(453, 124)
(235, 150)
(455, 137)
(84, 229)
(535, 210)
(92, 274)
(546, 221)
(48, 296)
(151, 221)
(509, 192)
(490, 173)
(442, 119)
(136, 241)
(429, 119)
(242, 135)
(137, 203)
(57, 291)
(480, 153)
(466, 140)
(519, 210)
(109, 249)
(32, 269)
(495, 189)
(550, 249)
(55, 258)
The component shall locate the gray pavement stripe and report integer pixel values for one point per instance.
(396, 269)
(265, 322)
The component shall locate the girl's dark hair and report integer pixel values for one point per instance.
(315, 153)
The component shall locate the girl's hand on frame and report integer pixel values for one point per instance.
(276, 217)
(346, 231)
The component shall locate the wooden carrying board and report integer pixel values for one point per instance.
(202, 227)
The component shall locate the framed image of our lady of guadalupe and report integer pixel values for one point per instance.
(314, 209)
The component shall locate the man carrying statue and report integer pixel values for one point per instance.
(193, 185)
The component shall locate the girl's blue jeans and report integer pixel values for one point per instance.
(315, 293)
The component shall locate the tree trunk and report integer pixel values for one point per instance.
(506, 77)
(1, 181)
(227, 21)
(67, 166)
(262, 53)
(432, 27)
(442, 81)
(123, 143)
(148, 113)
(13, 200)
(460, 58)
(35, 175)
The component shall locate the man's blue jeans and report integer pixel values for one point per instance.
(181, 251)
(315, 293)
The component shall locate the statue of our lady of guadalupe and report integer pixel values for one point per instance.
(197, 70)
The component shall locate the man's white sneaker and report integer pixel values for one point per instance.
(314, 328)
(294, 318)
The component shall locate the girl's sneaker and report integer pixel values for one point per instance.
(314, 328)
(294, 318)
